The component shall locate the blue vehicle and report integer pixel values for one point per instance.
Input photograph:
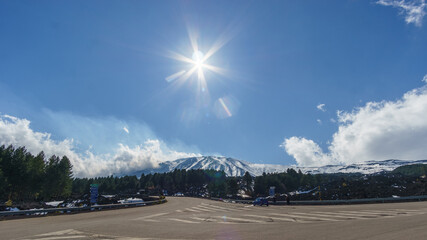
(260, 201)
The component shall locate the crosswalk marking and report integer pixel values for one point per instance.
(204, 213)
(151, 216)
(395, 212)
(225, 218)
(274, 218)
(192, 210)
(74, 234)
(322, 215)
(214, 206)
(182, 220)
(202, 209)
(331, 214)
(353, 214)
(356, 214)
(308, 217)
(408, 210)
(63, 237)
(59, 233)
(212, 209)
(226, 208)
(368, 213)
(198, 218)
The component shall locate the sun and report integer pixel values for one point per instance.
(198, 64)
(199, 71)
(198, 59)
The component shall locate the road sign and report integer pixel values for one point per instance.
(93, 193)
(272, 191)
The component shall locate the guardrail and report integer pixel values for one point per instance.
(334, 202)
(41, 212)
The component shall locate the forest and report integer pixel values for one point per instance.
(25, 177)
(28, 178)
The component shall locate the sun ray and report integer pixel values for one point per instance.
(192, 35)
(201, 81)
(174, 76)
(225, 37)
(215, 69)
(180, 57)
(187, 75)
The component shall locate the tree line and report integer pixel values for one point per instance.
(200, 183)
(25, 177)
(191, 182)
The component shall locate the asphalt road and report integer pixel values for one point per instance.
(190, 218)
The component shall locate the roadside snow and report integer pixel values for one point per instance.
(54, 203)
(131, 200)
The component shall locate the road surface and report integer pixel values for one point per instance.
(191, 218)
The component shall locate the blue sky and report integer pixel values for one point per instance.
(90, 70)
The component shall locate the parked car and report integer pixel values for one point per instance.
(260, 201)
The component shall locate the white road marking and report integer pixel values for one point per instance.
(212, 209)
(367, 213)
(365, 216)
(192, 210)
(182, 220)
(225, 218)
(409, 210)
(62, 237)
(201, 209)
(151, 216)
(323, 215)
(180, 211)
(395, 212)
(337, 215)
(274, 218)
(198, 218)
(74, 234)
(308, 217)
(224, 208)
(58, 233)
(204, 219)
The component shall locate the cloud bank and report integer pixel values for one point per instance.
(376, 131)
(413, 10)
(123, 158)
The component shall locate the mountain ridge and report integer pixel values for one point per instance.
(236, 167)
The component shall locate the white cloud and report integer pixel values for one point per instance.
(319, 121)
(376, 131)
(123, 159)
(321, 107)
(425, 78)
(413, 10)
(126, 130)
(306, 152)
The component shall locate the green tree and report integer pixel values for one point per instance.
(247, 180)
(232, 186)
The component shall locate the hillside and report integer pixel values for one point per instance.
(235, 167)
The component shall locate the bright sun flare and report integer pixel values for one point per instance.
(198, 59)
(198, 63)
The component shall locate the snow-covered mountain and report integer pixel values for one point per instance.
(367, 167)
(231, 166)
(235, 167)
